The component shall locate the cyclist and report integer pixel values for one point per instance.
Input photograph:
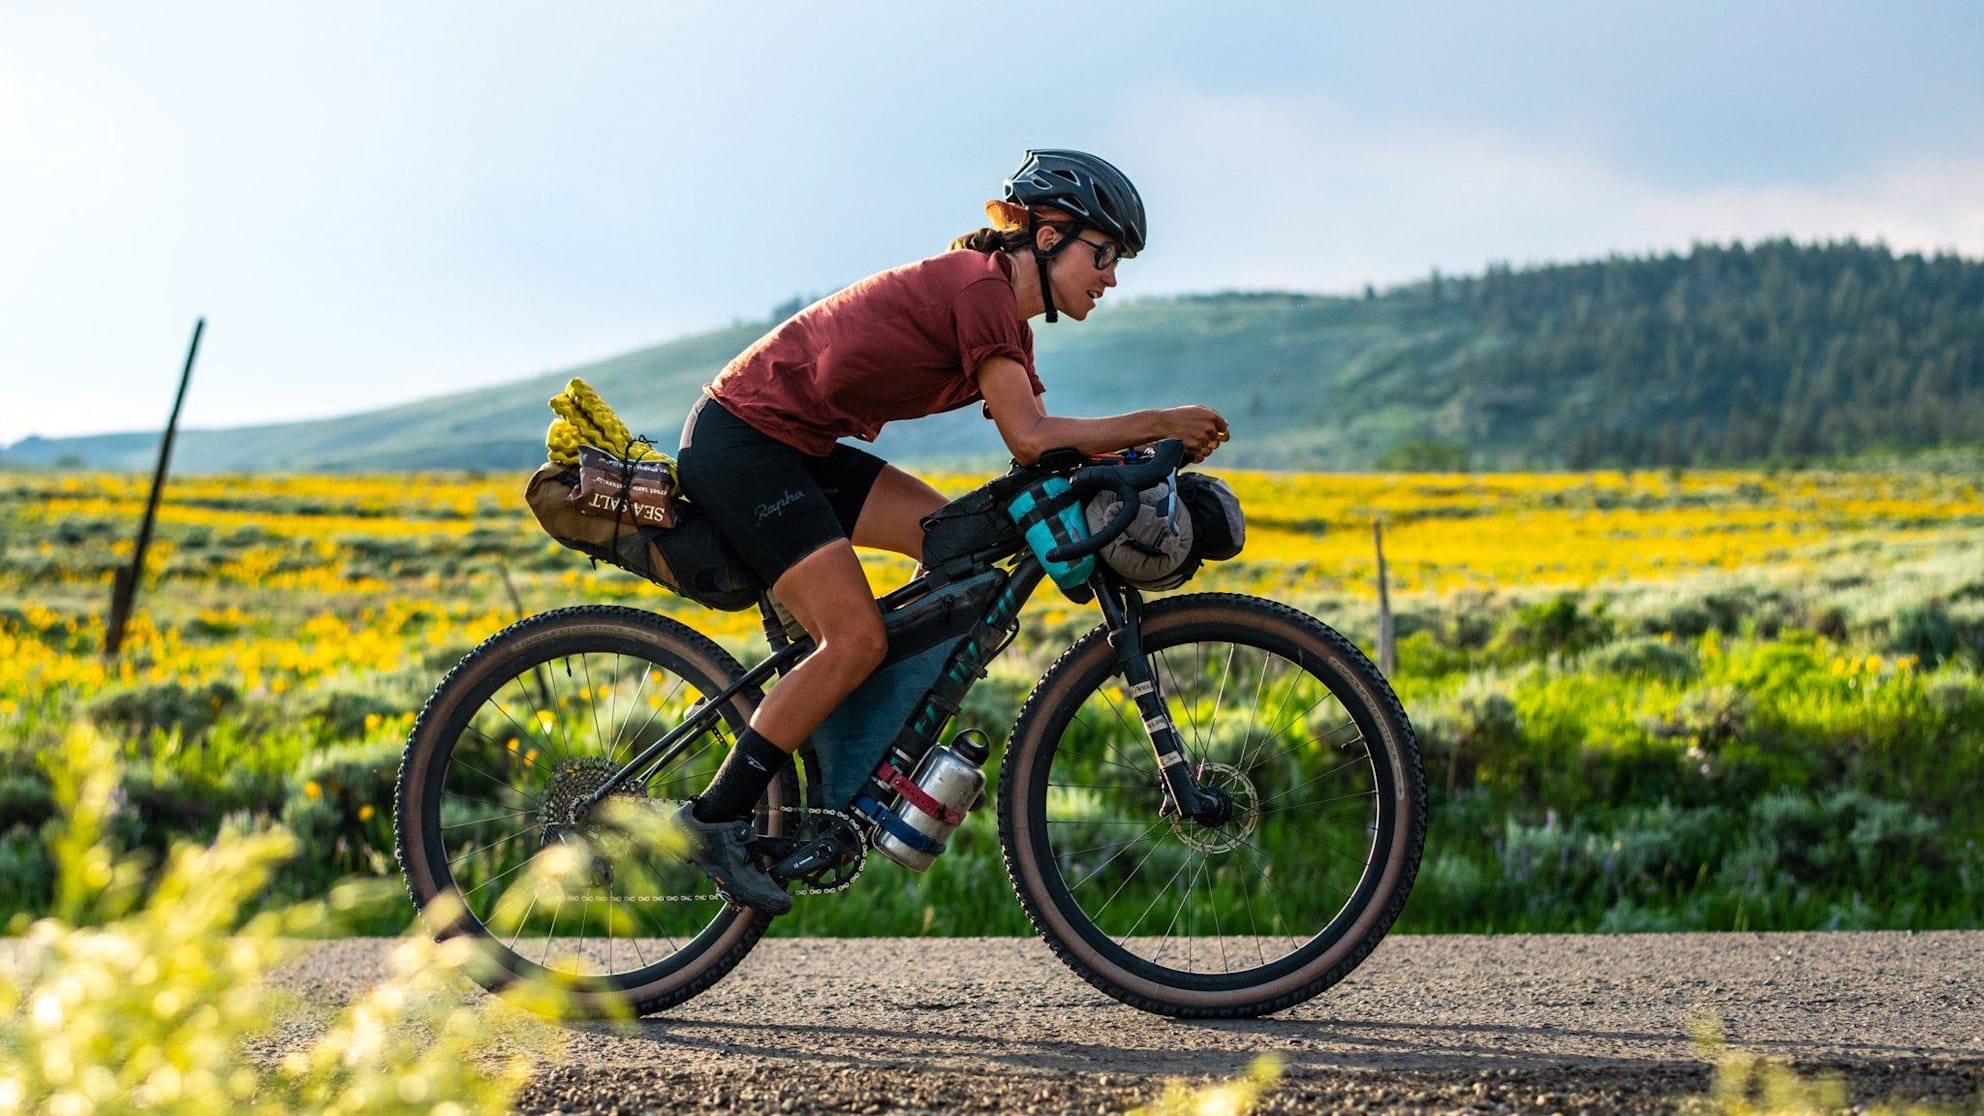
(761, 450)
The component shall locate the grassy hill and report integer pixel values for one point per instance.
(1726, 354)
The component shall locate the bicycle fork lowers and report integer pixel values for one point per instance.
(1183, 796)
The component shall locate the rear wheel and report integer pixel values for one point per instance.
(1297, 729)
(496, 846)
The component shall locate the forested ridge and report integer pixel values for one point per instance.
(1726, 354)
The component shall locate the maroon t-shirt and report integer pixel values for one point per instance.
(902, 344)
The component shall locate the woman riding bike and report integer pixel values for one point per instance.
(761, 451)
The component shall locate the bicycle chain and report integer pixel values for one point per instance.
(860, 865)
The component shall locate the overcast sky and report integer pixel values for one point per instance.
(376, 202)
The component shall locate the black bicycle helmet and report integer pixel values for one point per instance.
(1087, 188)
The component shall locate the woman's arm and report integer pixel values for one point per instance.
(1030, 431)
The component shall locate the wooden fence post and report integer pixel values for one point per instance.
(1386, 648)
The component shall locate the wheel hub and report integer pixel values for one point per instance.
(1242, 816)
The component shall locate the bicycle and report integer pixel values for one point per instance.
(1211, 805)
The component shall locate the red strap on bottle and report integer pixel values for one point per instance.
(918, 797)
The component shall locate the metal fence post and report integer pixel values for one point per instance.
(124, 588)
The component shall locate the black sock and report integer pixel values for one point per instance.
(734, 793)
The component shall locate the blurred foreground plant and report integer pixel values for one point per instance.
(1749, 1084)
(157, 1005)
(1227, 1098)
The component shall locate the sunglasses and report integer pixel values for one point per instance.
(1106, 253)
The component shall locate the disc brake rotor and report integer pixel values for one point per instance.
(1233, 832)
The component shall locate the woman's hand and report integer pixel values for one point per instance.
(1202, 429)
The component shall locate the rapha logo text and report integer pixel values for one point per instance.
(766, 511)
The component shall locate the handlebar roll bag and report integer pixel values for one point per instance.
(1050, 515)
(1155, 552)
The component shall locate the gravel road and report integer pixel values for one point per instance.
(1427, 1024)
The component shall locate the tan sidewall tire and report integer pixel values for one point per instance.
(601, 625)
(1066, 681)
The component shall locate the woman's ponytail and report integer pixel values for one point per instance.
(990, 240)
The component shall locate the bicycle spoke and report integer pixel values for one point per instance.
(1152, 789)
(499, 876)
(1344, 766)
(1126, 880)
(1247, 896)
(592, 702)
(1120, 846)
(1175, 690)
(490, 845)
(1260, 858)
(472, 798)
(524, 921)
(1319, 802)
(1247, 760)
(1183, 905)
(1153, 903)
(543, 719)
(1220, 693)
(501, 782)
(1120, 850)
(484, 821)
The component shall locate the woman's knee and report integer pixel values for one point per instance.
(851, 635)
(830, 595)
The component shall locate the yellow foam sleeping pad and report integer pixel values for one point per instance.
(584, 419)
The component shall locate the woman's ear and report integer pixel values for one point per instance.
(1045, 237)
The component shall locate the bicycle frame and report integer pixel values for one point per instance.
(987, 638)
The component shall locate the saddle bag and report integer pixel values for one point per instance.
(690, 558)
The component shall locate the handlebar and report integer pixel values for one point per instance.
(1126, 480)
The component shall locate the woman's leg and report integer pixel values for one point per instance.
(828, 594)
(892, 517)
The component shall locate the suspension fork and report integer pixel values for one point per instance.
(1122, 608)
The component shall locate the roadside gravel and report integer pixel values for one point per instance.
(1428, 1024)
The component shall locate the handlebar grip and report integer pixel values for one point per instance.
(1165, 459)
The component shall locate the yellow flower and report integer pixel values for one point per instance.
(365, 812)
(373, 721)
(1873, 664)
(312, 791)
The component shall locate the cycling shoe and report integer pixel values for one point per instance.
(722, 850)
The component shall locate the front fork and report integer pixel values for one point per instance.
(1122, 608)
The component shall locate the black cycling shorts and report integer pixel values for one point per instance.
(775, 504)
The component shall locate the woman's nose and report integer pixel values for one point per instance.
(1109, 274)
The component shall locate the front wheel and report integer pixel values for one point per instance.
(1294, 726)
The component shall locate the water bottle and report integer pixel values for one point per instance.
(950, 779)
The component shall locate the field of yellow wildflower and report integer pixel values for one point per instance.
(1646, 700)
